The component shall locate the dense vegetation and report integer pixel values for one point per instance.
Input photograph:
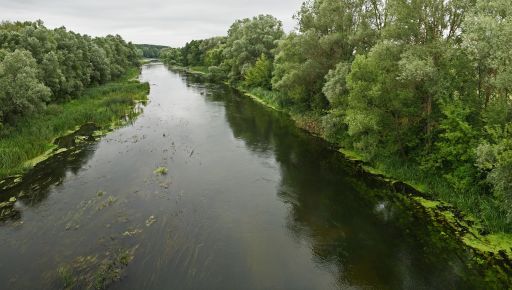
(149, 50)
(39, 66)
(50, 84)
(419, 89)
(31, 139)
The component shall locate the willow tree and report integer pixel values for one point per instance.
(21, 89)
(330, 32)
(247, 40)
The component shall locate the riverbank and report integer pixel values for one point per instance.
(31, 141)
(491, 248)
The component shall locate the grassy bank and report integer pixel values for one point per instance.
(31, 139)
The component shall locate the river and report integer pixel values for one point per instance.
(249, 201)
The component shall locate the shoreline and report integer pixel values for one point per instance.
(492, 251)
(130, 92)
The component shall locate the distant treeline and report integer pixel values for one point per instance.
(40, 65)
(149, 50)
(421, 89)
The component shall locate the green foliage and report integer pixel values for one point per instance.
(335, 88)
(172, 56)
(260, 74)
(214, 56)
(381, 111)
(21, 89)
(422, 22)
(421, 89)
(149, 50)
(296, 77)
(40, 65)
(331, 31)
(488, 40)
(495, 158)
(246, 54)
(215, 73)
(204, 52)
(247, 40)
(32, 135)
(453, 153)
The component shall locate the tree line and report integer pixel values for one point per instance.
(149, 50)
(39, 66)
(421, 84)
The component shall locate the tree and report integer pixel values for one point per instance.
(488, 40)
(52, 74)
(382, 112)
(260, 74)
(247, 40)
(494, 157)
(59, 60)
(335, 88)
(453, 153)
(330, 32)
(21, 89)
(172, 56)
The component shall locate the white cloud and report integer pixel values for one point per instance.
(171, 22)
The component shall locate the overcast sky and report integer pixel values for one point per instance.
(167, 22)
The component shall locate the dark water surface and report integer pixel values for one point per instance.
(249, 202)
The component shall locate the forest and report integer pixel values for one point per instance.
(420, 90)
(149, 50)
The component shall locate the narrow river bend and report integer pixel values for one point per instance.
(248, 202)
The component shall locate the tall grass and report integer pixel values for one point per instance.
(480, 206)
(33, 135)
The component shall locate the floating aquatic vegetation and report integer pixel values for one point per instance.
(151, 220)
(87, 209)
(111, 270)
(93, 272)
(131, 233)
(71, 226)
(66, 276)
(165, 185)
(81, 139)
(7, 210)
(109, 202)
(10, 182)
(161, 171)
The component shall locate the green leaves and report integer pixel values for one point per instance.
(494, 157)
(260, 74)
(380, 110)
(247, 40)
(420, 82)
(39, 63)
(21, 89)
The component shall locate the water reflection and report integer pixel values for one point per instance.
(375, 238)
(46, 176)
(249, 202)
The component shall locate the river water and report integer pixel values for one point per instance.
(249, 202)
